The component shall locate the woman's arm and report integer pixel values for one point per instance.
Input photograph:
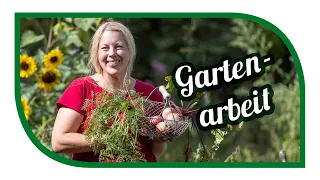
(158, 147)
(65, 138)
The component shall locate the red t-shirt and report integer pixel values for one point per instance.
(81, 89)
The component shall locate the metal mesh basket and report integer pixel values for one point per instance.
(154, 125)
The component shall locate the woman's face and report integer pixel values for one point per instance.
(113, 53)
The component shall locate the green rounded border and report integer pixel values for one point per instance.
(252, 18)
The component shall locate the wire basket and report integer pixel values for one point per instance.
(163, 120)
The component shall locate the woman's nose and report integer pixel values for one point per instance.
(112, 51)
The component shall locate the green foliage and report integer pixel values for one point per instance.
(283, 126)
(234, 157)
(168, 42)
(195, 101)
(280, 130)
(113, 126)
(201, 154)
(169, 86)
(85, 23)
(204, 154)
(28, 37)
(39, 37)
(251, 37)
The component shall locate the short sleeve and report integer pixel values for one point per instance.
(156, 96)
(149, 91)
(72, 97)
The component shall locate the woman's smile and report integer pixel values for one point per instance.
(112, 62)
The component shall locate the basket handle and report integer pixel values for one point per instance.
(164, 92)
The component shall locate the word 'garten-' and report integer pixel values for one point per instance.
(189, 81)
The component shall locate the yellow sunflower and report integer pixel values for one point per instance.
(48, 78)
(26, 108)
(27, 66)
(53, 58)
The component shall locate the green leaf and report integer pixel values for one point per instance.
(205, 156)
(60, 27)
(219, 137)
(85, 23)
(39, 56)
(60, 87)
(28, 91)
(73, 39)
(170, 85)
(28, 37)
(234, 156)
(69, 20)
(192, 105)
(99, 20)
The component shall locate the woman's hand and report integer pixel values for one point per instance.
(158, 147)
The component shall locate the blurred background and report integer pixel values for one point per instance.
(162, 44)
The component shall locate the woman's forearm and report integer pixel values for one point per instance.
(70, 143)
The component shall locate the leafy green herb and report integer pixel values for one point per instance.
(170, 84)
(113, 126)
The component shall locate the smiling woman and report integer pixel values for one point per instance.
(112, 55)
(165, 42)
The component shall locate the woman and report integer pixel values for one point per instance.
(112, 57)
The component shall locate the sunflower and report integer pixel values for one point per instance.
(53, 58)
(48, 78)
(26, 108)
(27, 66)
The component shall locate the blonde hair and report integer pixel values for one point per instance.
(94, 45)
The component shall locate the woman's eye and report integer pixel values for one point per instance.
(105, 48)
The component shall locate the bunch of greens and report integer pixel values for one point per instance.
(112, 129)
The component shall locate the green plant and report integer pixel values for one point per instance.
(113, 126)
(280, 130)
(57, 48)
